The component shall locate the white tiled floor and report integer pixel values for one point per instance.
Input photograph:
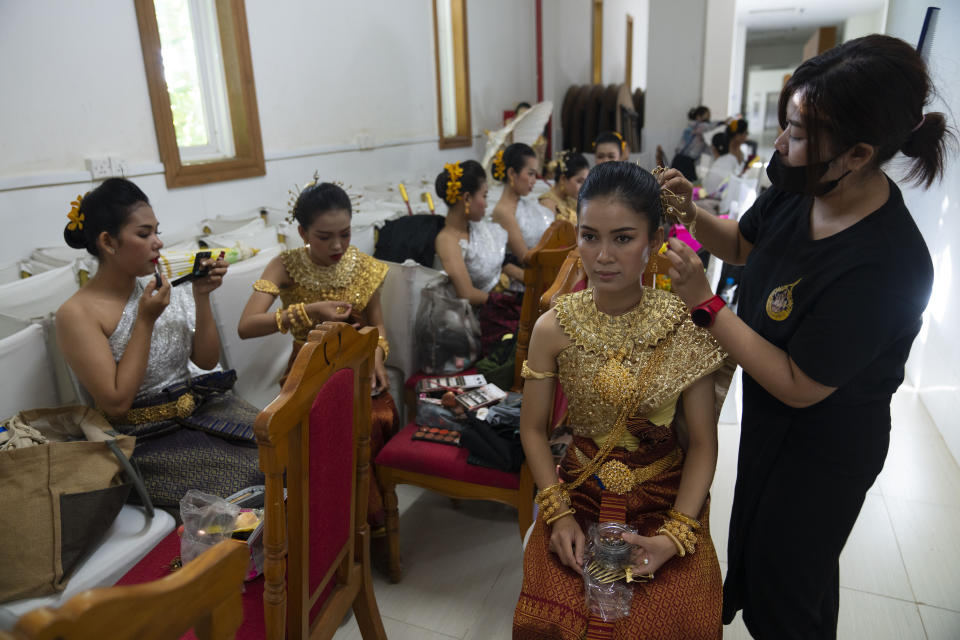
(899, 574)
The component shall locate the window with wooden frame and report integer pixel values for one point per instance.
(453, 73)
(597, 41)
(200, 77)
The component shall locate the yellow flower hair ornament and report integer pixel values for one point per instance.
(499, 169)
(76, 218)
(455, 171)
(623, 143)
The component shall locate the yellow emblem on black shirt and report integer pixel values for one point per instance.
(780, 302)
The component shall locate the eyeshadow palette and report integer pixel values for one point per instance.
(438, 434)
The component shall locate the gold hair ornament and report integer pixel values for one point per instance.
(499, 169)
(76, 218)
(455, 171)
(671, 201)
(558, 165)
(296, 191)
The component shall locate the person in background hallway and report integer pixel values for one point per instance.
(837, 276)
(692, 144)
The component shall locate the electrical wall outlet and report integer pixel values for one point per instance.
(98, 167)
(118, 167)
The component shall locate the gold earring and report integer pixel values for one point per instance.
(466, 206)
(512, 185)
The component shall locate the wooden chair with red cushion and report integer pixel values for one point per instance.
(443, 468)
(204, 596)
(316, 434)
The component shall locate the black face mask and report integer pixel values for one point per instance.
(794, 179)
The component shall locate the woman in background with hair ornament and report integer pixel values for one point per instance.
(473, 251)
(569, 170)
(328, 279)
(837, 276)
(128, 336)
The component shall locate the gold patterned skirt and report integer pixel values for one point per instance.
(683, 602)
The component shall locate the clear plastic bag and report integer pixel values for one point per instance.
(607, 553)
(207, 520)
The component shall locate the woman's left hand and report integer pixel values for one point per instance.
(656, 551)
(687, 278)
(213, 279)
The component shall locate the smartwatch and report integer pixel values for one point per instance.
(705, 313)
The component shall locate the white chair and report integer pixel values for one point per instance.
(38, 295)
(259, 362)
(254, 234)
(400, 298)
(29, 382)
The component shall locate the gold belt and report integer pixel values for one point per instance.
(621, 479)
(179, 408)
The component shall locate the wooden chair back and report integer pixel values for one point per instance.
(205, 596)
(543, 264)
(316, 434)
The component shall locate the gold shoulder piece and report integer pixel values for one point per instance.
(529, 374)
(265, 286)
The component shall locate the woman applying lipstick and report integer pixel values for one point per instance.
(128, 342)
(327, 279)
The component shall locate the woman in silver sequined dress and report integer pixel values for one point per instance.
(128, 336)
(472, 251)
(524, 218)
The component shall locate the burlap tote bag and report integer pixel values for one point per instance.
(58, 499)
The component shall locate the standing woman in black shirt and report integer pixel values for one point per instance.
(836, 278)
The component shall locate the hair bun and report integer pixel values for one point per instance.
(75, 238)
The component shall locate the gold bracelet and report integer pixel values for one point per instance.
(551, 500)
(684, 535)
(568, 512)
(681, 551)
(302, 310)
(529, 374)
(693, 523)
(383, 344)
(279, 316)
(293, 317)
(265, 286)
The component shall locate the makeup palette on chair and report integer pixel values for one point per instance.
(437, 434)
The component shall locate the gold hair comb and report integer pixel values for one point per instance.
(295, 192)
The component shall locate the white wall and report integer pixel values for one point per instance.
(325, 73)
(863, 24)
(759, 84)
(934, 365)
(673, 72)
(614, 68)
(566, 53)
(721, 43)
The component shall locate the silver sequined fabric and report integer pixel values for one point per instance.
(483, 253)
(171, 343)
(533, 219)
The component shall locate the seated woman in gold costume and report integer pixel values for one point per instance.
(569, 171)
(625, 355)
(327, 279)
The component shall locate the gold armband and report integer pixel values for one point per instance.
(265, 286)
(304, 316)
(693, 523)
(554, 518)
(552, 501)
(529, 374)
(383, 344)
